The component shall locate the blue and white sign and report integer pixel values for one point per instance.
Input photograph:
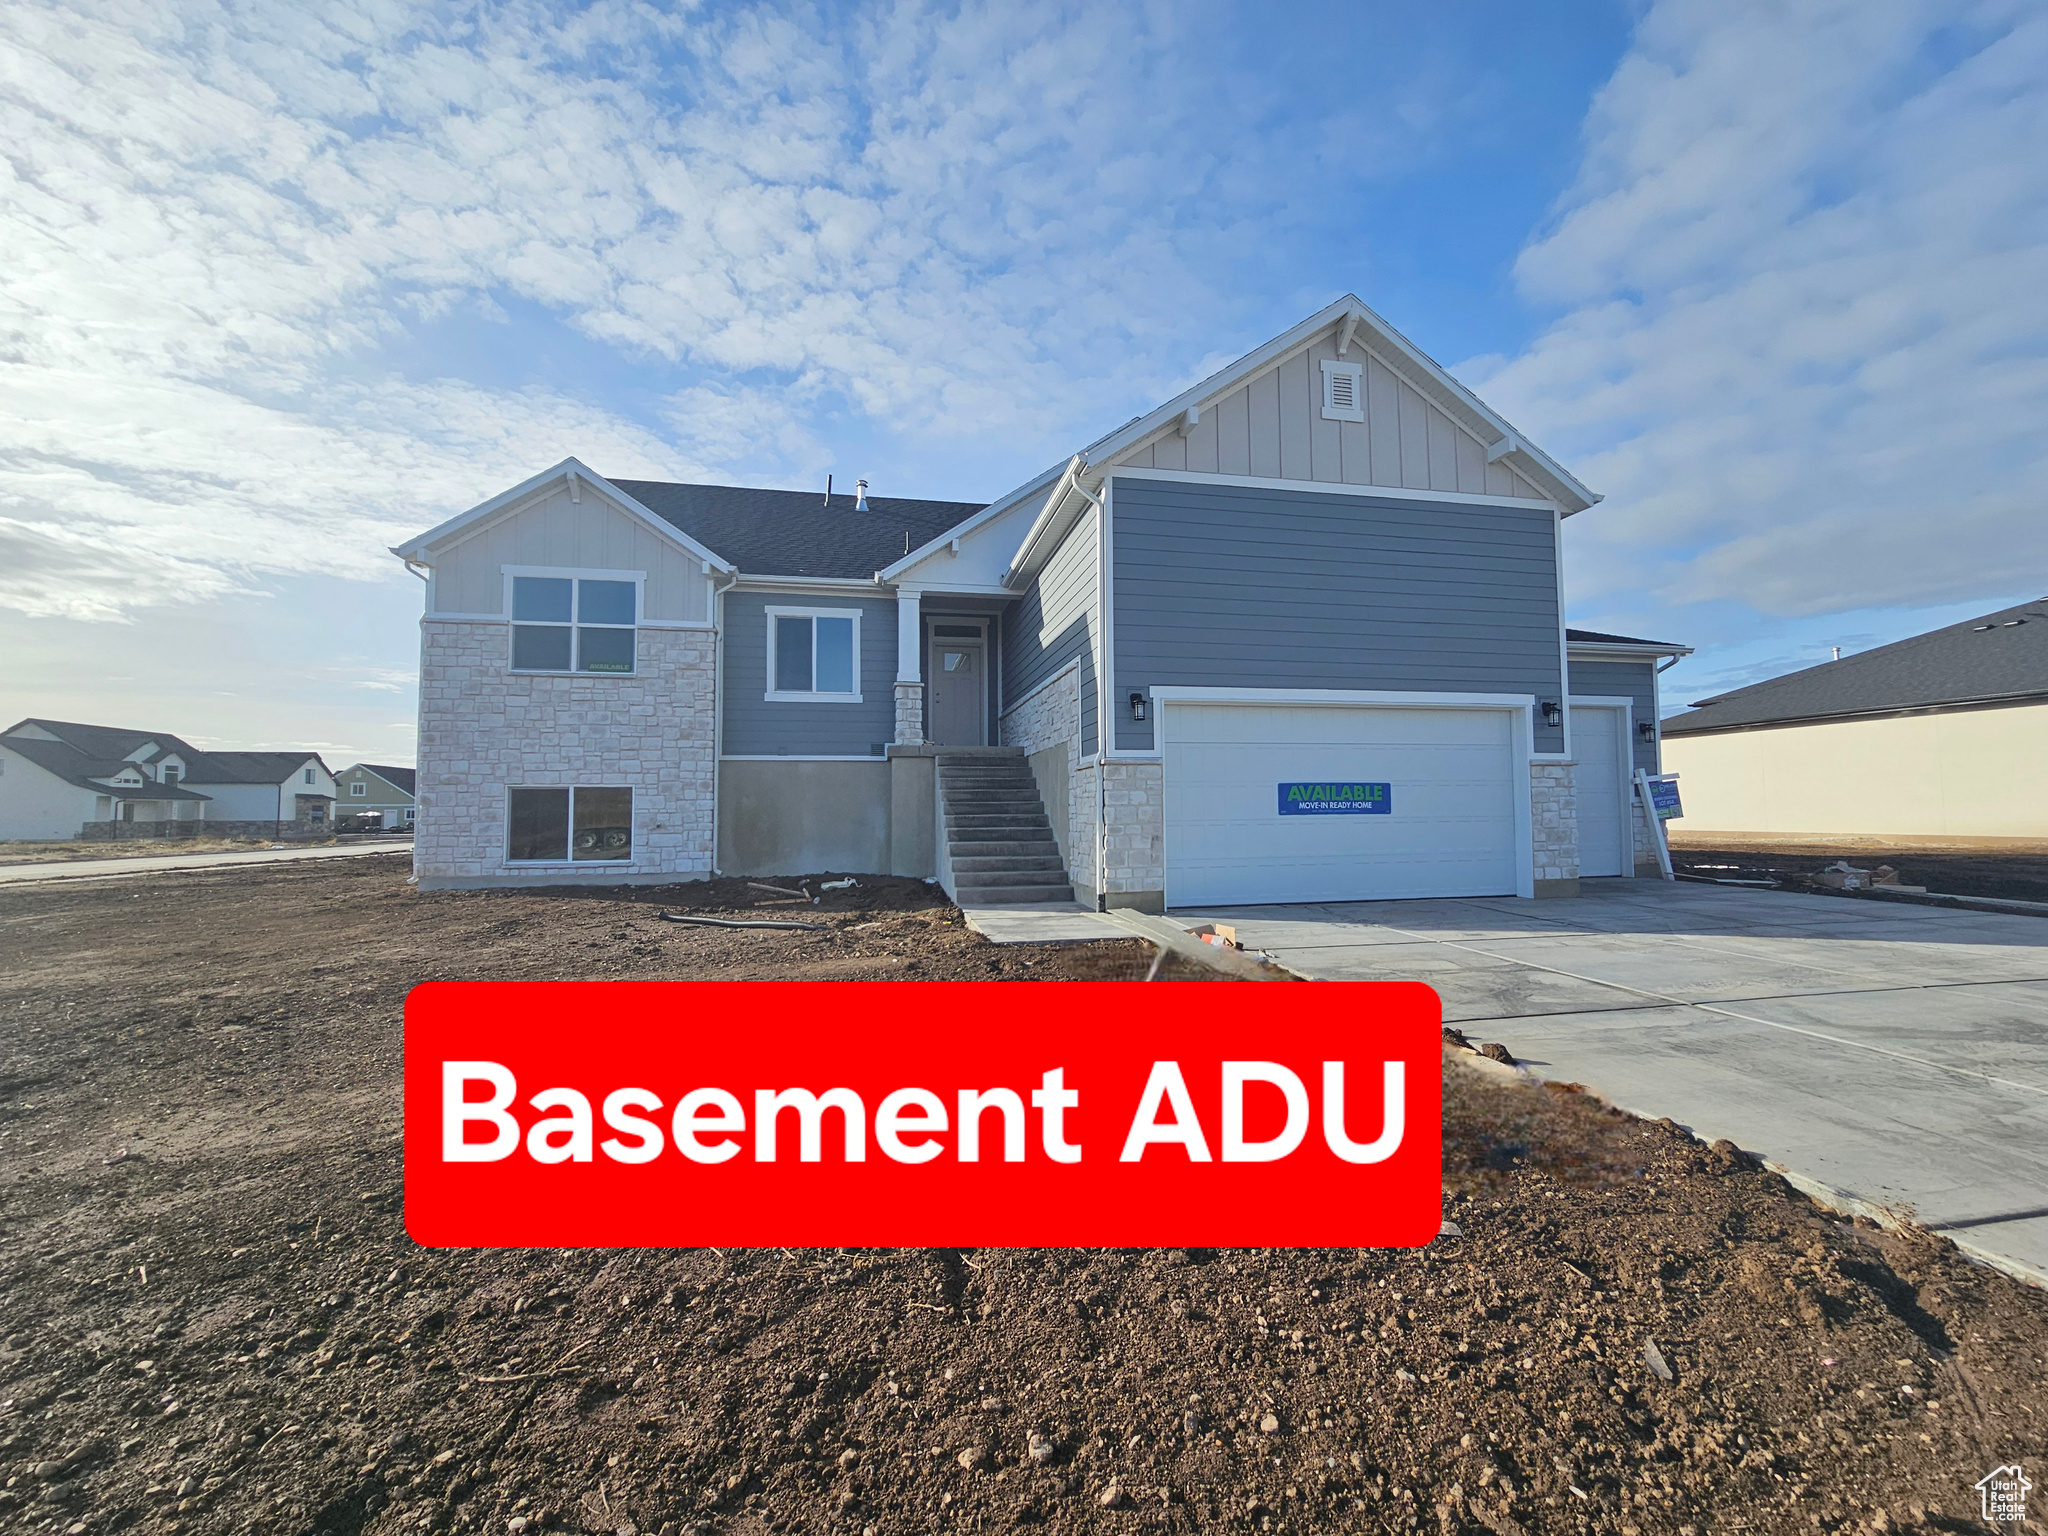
(1664, 799)
(1337, 798)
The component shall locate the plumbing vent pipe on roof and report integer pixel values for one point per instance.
(860, 495)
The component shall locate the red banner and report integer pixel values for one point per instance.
(922, 1114)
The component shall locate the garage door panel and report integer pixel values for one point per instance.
(1452, 832)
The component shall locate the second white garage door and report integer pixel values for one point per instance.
(1454, 785)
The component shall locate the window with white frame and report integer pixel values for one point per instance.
(561, 825)
(1343, 391)
(814, 655)
(309, 775)
(573, 624)
(359, 789)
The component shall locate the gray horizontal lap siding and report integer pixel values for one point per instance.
(1633, 680)
(1226, 586)
(1054, 624)
(754, 727)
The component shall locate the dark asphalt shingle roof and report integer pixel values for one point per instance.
(397, 778)
(1595, 637)
(111, 744)
(794, 533)
(1999, 656)
(75, 767)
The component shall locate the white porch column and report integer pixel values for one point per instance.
(909, 670)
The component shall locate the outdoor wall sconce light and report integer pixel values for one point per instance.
(1137, 706)
(1553, 712)
(1647, 729)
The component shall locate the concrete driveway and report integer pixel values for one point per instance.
(1880, 1054)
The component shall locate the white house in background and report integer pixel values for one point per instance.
(1943, 735)
(61, 780)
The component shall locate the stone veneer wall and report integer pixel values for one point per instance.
(1134, 810)
(482, 729)
(1049, 717)
(1645, 839)
(1554, 822)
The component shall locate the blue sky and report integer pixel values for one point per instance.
(289, 283)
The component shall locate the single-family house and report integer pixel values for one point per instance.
(1297, 634)
(378, 791)
(1943, 735)
(62, 780)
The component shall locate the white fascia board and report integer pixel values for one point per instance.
(1050, 527)
(843, 584)
(1600, 650)
(1333, 488)
(415, 550)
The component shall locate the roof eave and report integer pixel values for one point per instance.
(1609, 648)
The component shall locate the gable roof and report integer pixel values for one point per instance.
(400, 779)
(83, 770)
(116, 745)
(1997, 658)
(796, 533)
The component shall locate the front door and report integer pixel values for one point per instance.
(956, 686)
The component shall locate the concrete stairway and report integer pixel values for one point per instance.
(998, 842)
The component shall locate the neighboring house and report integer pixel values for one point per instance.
(1942, 735)
(374, 789)
(1295, 635)
(61, 780)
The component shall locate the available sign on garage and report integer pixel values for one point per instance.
(1336, 799)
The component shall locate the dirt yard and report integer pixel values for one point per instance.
(214, 1321)
(2008, 873)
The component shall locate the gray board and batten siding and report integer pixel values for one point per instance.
(1633, 680)
(1234, 586)
(1054, 623)
(758, 727)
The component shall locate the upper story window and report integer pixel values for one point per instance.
(573, 624)
(359, 788)
(309, 775)
(814, 655)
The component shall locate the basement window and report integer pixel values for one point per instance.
(573, 624)
(1343, 391)
(561, 825)
(813, 655)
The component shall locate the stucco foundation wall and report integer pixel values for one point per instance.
(797, 817)
(1967, 773)
(483, 729)
(1554, 826)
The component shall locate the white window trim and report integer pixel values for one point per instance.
(774, 695)
(1331, 410)
(506, 861)
(573, 573)
(358, 790)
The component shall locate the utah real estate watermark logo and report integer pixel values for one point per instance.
(2004, 1494)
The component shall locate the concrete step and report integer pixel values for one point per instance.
(1015, 816)
(1002, 847)
(1012, 895)
(956, 794)
(1008, 863)
(1009, 874)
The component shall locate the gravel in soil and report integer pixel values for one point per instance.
(2005, 875)
(215, 1322)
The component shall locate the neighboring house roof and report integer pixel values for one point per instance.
(75, 767)
(796, 533)
(118, 745)
(398, 778)
(1997, 658)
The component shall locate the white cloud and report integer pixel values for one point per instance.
(943, 219)
(1804, 336)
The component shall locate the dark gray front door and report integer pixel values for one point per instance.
(957, 680)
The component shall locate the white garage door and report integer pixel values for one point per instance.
(1451, 783)
(1597, 742)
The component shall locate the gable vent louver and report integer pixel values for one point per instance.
(1343, 391)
